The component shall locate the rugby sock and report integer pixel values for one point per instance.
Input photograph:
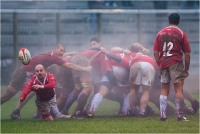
(163, 106)
(95, 102)
(125, 105)
(82, 100)
(179, 102)
(70, 100)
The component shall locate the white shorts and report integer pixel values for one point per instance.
(121, 75)
(141, 73)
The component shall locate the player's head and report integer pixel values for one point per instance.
(134, 47)
(95, 43)
(40, 71)
(59, 50)
(174, 18)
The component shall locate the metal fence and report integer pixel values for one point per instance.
(43, 28)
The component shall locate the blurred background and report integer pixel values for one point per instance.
(39, 25)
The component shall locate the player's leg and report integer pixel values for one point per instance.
(86, 83)
(133, 100)
(105, 86)
(144, 99)
(55, 111)
(117, 95)
(163, 100)
(178, 75)
(70, 100)
(98, 97)
(165, 87)
(148, 75)
(126, 106)
(179, 100)
(87, 87)
(135, 77)
(17, 83)
(16, 112)
(9, 93)
(45, 108)
(192, 100)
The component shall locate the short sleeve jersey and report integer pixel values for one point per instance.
(171, 42)
(46, 59)
(98, 59)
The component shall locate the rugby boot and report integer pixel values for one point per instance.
(90, 114)
(134, 111)
(16, 115)
(62, 116)
(149, 111)
(195, 106)
(188, 110)
(77, 115)
(182, 118)
(163, 119)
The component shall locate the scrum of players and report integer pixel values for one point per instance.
(127, 76)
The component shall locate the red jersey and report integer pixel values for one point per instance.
(126, 59)
(45, 94)
(144, 58)
(98, 59)
(46, 59)
(171, 42)
(129, 59)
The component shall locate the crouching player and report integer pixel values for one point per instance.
(43, 83)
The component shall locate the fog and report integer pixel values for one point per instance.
(39, 32)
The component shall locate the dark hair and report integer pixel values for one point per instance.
(95, 39)
(174, 18)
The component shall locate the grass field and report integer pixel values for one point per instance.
(99, 124)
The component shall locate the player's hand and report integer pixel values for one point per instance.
(21, 100)
(127, 51)
(145, 51)
(103, 49)
(36, 87)
(88, 68)
(186, 73)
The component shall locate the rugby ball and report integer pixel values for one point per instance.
(24, 56)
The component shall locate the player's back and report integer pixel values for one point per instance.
(171, 43)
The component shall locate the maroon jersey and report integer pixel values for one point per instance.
(98, 59)
(46, 59)
(45, 94)
(171, 42)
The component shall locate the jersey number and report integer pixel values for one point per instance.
(167, 47)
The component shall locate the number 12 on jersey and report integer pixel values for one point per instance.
(167, 47)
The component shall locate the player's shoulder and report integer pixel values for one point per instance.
(50, 74)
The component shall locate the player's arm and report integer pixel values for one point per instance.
(110, 55)
(187, 51)
(187, 62)
(51, 84)
(26, 90)
(71, 53)
(76, 67)
(156, 51)
(120, 50)
(141, 48)
(156, 56)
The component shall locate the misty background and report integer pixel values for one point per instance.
(40, 25)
